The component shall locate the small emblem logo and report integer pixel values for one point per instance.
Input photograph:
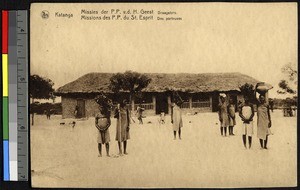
(45, 14)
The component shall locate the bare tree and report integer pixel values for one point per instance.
(289, 85)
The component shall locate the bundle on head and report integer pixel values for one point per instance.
(104, 101)
(263, 88)
(223, 95)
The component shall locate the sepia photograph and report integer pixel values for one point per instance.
(163, 95)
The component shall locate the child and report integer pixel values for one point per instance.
(139, 112)
(162, 118)
(76, 112)
(246, 113)
(102, 123)
(231, 116)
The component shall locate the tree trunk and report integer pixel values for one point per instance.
(130, 101)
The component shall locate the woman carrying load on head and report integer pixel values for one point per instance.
(223, 114)
(263, 116)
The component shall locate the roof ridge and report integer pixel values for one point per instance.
(165, 73)
(95, 82)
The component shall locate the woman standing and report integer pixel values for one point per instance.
(231, 114)
(263, 121)
(223, 114)
(102, 123)
(176, 119)
(123, 123)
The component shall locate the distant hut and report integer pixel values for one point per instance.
(200, 92)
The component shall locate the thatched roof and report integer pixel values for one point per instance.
(204, 82)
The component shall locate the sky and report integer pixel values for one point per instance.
(253, 39)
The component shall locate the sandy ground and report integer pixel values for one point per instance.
(63, 157)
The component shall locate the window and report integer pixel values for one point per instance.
(200, 100)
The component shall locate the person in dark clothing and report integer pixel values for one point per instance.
(48, 113)
(76, 112)
(231, 116)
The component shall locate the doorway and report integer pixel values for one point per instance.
(162, 103)
(215, 102)
(81, 108)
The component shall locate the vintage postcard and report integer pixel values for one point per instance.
(163, 95)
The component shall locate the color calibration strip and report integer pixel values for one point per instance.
(15, 90)
(6, 176)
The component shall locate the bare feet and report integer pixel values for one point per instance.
(108, 155)
(126, 153)
(99, 155)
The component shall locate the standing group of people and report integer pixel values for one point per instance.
(122, 114)
(246, 113)
(103, 122)
(47, 112)
(226, 116)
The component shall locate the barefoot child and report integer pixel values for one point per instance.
(139, 112)
(102, 123)
(246, 113)
(231, 116)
